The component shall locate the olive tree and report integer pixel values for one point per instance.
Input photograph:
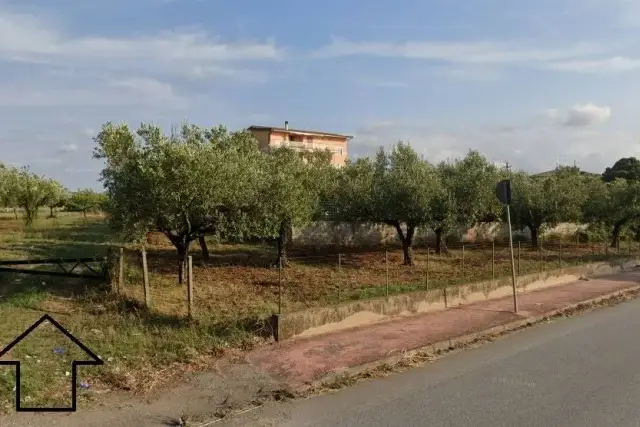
(351, 197)
(85, 201)
(465, 194)
(57, 196)
(32, 191)
(546, 200)
(9, 188)
(615, 204)
(403, 189)
(291, 194)
(182, 185)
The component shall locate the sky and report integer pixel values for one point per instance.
(536, 84)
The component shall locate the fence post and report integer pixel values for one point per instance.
(560, 255)
(121, 271)
(386, 263)
(540, 255)
(279, 285)
(463, 261)
(339, 276)
(190, 287)
(493, 261)
(145, 277)
(427, 276)
(518, 258)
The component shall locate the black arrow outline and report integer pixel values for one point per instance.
(74, 364)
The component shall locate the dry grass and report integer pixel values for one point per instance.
(234, 290)
(237, 283)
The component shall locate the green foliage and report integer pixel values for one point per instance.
(186, 184)
(32, 194)
(9, 187)
(291, 192)
(613, 204)
(544, 201)
(626, 168)
(56, 195)
(397, 189)
(471, 183)
(86, 201)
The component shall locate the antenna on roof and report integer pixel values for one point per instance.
(286, 125)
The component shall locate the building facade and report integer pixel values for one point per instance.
(271, 137)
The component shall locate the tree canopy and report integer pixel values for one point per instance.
(625, 168)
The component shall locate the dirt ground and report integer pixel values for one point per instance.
(149, 350)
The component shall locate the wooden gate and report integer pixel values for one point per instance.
(92, 271)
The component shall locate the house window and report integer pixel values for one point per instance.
(296, 138)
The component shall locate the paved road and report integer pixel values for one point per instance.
(582, 371)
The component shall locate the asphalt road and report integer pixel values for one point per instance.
(582, 371)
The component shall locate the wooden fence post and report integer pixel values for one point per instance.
(121, 271)
(540, 254)
(339, 276)
(493, 261)
(190, 287)
(518, 258)
(463, 261)
(386, 263)
(560, 255)
(427, 278)
(279, 285)
(145, 276)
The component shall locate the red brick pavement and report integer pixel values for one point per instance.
(299, 362)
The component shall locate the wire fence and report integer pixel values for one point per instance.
(244, 282)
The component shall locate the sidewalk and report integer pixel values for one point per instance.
(301, 362)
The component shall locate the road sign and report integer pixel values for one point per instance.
(503, 191)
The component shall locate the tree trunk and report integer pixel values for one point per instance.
(282, 244)
(51, 215)
(407, 242)
(438, 241)
(615, 235)
(181, 243)
(15, 212)
(203, 246)
(534, 236)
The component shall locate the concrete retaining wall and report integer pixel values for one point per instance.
(364, 234)
(358, 313)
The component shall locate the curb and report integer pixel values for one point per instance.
(451, 344)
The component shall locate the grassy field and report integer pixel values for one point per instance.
(146, 349)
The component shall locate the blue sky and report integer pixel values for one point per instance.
(532, 83)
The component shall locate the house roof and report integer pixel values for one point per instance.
(307, 132)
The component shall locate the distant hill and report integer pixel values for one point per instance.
(547, 173)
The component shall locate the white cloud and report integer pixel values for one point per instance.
(147, 87)
(607, 65)
(457, 51)
(581, 115)
(129, 92)
(68, 148)
(536, 146)
(26, 37)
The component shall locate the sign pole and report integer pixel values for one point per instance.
(503, 192)
(513, 265)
